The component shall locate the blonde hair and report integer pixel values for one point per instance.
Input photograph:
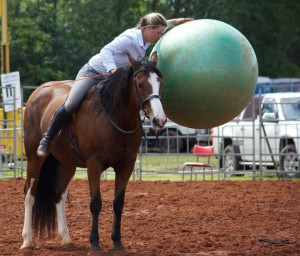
(153, 19)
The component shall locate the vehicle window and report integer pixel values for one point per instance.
(249, 112)
(295, 87)
(269, 106)
(286, 85)
(291, 108)
(252, 110)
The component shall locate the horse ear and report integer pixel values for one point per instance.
(133, 63)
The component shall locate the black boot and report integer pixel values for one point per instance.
(59, 119)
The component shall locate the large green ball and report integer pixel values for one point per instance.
(210, 73)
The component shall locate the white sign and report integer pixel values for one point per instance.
(11, 90)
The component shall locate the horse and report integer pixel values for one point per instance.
(105, 131)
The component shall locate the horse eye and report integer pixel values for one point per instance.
(140, 85)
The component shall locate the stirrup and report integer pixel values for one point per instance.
(43, 149)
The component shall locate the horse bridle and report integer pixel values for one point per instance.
(142, 104)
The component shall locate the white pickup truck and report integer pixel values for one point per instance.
(176, 138)
(266, 133)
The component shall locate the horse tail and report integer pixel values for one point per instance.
(44, 211)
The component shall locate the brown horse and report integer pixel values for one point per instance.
(107, 132)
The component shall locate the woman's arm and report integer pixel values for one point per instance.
(119, 46)
(179, 21)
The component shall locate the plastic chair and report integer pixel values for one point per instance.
(199, 151)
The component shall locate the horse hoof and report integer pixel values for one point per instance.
(69, 245)
(27, 251)
(26, 247)
(94, 251)
(124, 252)
(118, 247)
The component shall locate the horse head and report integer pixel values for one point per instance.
(148, 82)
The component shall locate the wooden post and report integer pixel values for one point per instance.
(5, 65)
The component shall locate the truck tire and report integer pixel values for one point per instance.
(289, 162)
(169, 144)
(230, 161)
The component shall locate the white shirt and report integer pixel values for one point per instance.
(114, 54)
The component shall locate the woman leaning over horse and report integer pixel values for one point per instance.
(134, 41)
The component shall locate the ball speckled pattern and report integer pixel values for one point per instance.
(210, 71)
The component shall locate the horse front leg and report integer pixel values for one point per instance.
(118, 205)
(95, 207)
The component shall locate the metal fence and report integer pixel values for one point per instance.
(151, 162)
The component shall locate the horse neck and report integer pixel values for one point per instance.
(130, 105)
(118, 98)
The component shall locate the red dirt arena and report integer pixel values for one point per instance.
(171, 218)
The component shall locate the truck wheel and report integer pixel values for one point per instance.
(169, 144)
(289, 162)
(230, 161)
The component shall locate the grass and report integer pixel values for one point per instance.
(157, 167)
(149, 176)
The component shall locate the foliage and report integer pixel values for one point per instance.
(52, 39)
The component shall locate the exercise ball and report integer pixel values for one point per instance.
(210, 72)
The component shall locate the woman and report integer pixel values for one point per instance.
(134, 41)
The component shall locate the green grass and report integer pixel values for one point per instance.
(157, 167)
(148, 176)
(168, 162)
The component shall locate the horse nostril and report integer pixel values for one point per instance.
(155, 121)
(158, 123)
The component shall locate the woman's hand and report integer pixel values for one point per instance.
(181, 20)
(112, 71)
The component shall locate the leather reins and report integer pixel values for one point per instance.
(142, 108)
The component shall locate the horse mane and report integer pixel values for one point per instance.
(114, 89)
(109, 91)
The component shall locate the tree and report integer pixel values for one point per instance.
(53, 39)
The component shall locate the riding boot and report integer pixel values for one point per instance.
(59, 119)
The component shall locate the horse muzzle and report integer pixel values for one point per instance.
(158, 124)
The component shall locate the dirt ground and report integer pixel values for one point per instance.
(171, 218)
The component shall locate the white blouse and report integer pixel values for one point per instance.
(114, 54)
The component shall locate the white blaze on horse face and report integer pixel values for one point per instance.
(156, 106)
(27, 230)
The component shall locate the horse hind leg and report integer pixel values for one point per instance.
(63, 230)
(46, 193)
(38, 199)
(64, 176)
(27, 228)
